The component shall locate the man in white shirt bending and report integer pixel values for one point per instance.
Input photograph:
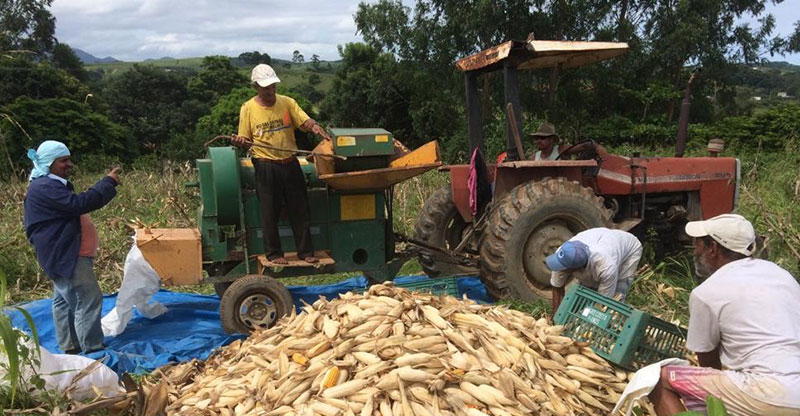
(744, 325)
(600, 258)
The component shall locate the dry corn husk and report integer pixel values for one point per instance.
(392, 352)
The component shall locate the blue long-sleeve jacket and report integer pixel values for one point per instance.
(52, 220)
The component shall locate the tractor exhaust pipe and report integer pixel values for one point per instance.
(683, 118)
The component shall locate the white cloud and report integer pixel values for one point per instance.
(139, 29)
(135, 30)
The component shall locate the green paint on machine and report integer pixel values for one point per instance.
(353, 227)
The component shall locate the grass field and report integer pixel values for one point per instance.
(291, 74)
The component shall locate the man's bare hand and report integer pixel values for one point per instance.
(319, 131)
(114, 174)
(240, 141)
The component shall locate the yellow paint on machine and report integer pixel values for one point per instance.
(382, 138)
(357, 207)
(346, 141)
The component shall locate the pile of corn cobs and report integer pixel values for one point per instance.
(392, 352)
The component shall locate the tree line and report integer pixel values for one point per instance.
(402, 78)
(403, 74)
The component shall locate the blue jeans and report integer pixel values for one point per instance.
(76, 309)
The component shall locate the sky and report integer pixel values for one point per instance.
(135, 30)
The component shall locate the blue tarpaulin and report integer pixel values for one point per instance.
(190, 328)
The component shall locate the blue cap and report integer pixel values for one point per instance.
(571, 255)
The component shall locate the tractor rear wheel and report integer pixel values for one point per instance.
(439, 224)
(529, 224)
(254, 301)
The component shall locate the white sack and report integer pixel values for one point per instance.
(59, 370)
(139, 283)
(642, 383)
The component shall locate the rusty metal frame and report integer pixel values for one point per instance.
(535, 54)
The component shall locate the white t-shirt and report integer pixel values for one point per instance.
(614, 256)
(751, 309)
(553, 155)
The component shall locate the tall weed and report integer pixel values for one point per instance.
(770, 198)
(19, 357)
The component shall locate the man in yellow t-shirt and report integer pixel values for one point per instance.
(270, 119)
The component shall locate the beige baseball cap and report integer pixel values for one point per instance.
(545, 129)
(731, 231)
(264, 75)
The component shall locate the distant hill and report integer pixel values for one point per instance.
(88, 58)
(292, 75)
(783, 66)
(768, 83)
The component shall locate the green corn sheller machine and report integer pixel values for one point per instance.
(350, 201)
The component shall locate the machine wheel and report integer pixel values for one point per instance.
(439, 224)
(253, 301)
(529, 224)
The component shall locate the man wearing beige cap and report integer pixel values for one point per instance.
(546, 141)
(744, 317)
(547, 147)
(270, 119)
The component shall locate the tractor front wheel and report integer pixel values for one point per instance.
(252, 302)
(440, 225)
(529, 224)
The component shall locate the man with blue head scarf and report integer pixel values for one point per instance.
(65, 240)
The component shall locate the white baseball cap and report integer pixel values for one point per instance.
(731, 231)
(264, 75)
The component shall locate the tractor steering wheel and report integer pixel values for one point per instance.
(584, 155)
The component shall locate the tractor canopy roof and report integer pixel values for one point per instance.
(536, 54)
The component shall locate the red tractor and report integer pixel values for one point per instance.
(537, 205)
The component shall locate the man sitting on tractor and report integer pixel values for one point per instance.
(546, 140)
(744, 317)
(269, 119)
(600, 258)
(547, 147)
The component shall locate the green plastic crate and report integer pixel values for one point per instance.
(438, 286)
(618, 332)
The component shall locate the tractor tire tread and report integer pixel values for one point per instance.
(437, 212)
(495, 238)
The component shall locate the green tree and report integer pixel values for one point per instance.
(150, 102)
(217, 77)
(315, 62)
(308, 91)
(27, 25)
(224, 116)
(255, 58)
(664, 38)
(297, 57)
(82, 129)
(64, 58)
(372, 90)
(20, 76)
